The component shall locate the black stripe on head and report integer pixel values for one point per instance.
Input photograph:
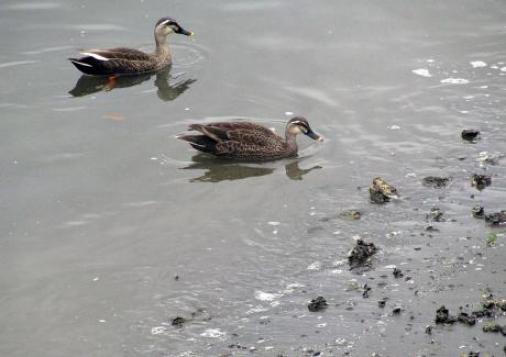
(300, 121)
(167, 20)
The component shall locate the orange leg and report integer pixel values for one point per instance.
(112, 81)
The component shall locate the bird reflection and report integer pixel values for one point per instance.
(219, 170)
(294, 172)
(166, 90)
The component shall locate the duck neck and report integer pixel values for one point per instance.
(290, 140)
(162, 47)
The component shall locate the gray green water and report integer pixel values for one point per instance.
(102, 207)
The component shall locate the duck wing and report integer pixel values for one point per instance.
(237, 139)
(119, 52)
(114, 61)
(245, 132)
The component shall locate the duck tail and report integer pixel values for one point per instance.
(84, 67)
(200, 142)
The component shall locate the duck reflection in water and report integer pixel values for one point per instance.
(218, 170)
(166, 90)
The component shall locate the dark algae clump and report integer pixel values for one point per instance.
(467, 319)
(470, 134)
(436, 182)
(435, 215)
(317, 304)
(496, 219)
(478, 212)
(398, 273)
(443, 316)
(480, 181)
(381, 191)
(178, 321)
(493, 326)
(360, 254)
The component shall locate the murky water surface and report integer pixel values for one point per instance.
(111, 227)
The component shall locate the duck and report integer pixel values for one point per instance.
(129, 61)
(243, 140)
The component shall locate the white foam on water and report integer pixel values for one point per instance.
(314, 266)
(33, 6)
(256, 309)
(290, 288)
(455, 81)
(503, 69)
(273, 223)
(213, 333)
(423, 72)
(15, 63)
(263, 296)
(158, 330)
(69, 109)
(478, 64)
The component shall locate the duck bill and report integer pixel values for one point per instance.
(182, 31)
(314, 136)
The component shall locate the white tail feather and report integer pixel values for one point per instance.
(82, 63)
(95, 56)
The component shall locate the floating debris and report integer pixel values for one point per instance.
(317, 304)
(431, 229)
(397, 273)
(470, 354)
(381, 192)
(489, 159)
(178, 321)
(365, 293)
(496, 219)
(443, 316)
(493, 326)
(435, 215)
(480, 181)
(470, 134)
(360, 253)
(467, 319)
(351, 215)
(491, 239)
(397, 311)
(436, 182)
(239, 347)
(478, 212)
(382, 303)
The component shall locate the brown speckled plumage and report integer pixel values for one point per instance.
(246, 140)
(128, 61)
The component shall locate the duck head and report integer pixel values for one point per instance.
(166, 25)
(300, 125)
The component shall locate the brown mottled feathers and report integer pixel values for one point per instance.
(120, 60)
(122, 53)
(240, 140)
